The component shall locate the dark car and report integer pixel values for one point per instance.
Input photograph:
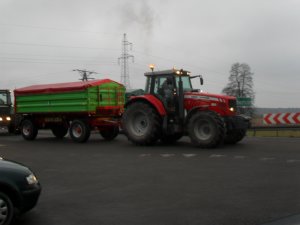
(19, 190)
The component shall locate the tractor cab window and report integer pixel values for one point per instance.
(158, 85)
(164, 86)
(186, 83)
(3, 99)
(148, 85)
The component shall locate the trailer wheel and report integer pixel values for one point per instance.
(109, 133)
(141, 124)
(79, 131)
(206, 129)
(6, 209)
(59, 131)
(235, 136)
(29, 130)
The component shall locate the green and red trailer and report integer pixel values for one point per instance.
(77, 107)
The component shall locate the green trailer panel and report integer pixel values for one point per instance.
(62, 100)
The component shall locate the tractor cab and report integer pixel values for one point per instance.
(169, 86)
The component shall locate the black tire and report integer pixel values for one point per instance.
(171, 139)
(59, 131)
(29, 130)
(141, 124)
(206, 129)
(233, 137)
(6, 209)
(109, 133)
(79, 131)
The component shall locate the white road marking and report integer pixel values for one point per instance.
(217, 156)
(267, 158)
(293, 161)
(239, 157)
(145, 155)
(189, 155)
(167, 155)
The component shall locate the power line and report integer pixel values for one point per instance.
(56, 46)
(59, 29)
(54, 60)
(8, 54)
(51, 62)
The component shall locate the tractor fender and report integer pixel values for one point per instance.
(150, 99)
(194, 110)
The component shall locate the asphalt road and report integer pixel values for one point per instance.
(117, 183)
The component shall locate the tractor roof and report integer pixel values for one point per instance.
(168, 72)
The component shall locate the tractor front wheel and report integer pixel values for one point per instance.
(141, 124)
(206, 129)
(233, 137)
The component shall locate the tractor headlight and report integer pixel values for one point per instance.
(1, 119)
(8, 118)
(232, 105)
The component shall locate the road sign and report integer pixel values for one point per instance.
(241, 101)
(281, 118)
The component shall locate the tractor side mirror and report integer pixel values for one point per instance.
(200, 77)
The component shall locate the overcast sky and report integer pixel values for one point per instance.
(42, 41)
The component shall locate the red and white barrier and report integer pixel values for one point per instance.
(281, 118)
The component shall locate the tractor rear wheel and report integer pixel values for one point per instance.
(141, 124)
(206, 129)
(109, 133)
(233, 137)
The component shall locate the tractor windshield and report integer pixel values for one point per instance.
(186, 83)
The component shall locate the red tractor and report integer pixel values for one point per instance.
(171, 108)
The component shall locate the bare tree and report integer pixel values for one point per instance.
(240, 82)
